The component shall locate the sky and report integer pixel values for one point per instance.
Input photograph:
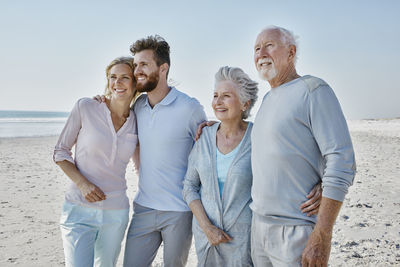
(55, 52)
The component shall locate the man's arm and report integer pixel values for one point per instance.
(331, 133)
(136, 158)
(318, 247)
(196, 118)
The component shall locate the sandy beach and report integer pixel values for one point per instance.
(367, 232)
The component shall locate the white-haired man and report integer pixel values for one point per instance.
(300, 137)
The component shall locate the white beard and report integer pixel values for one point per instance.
(268, 75)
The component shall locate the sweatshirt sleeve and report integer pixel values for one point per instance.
(68, 136)
(192, 183)
(331, 133)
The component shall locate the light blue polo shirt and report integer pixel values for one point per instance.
(166, 136)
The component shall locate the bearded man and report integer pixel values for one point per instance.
(299, 138)
(167, 120)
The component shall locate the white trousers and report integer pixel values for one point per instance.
(92, 237)
(277, 245)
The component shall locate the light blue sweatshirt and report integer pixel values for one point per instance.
(299, 138)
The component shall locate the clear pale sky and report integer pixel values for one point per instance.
(55, 52)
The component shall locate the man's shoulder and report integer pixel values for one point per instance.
(185, 99)
(187, 104)
(312, 82)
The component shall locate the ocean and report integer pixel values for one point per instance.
(14, 123)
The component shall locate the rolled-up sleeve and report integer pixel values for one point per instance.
(331, 133)
(192, 183)
(68, 136)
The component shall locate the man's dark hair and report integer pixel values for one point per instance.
(156, 43)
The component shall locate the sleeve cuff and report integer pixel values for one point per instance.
(189, 197)
(58, 158)
(334, 193)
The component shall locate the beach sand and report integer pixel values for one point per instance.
(367, 232)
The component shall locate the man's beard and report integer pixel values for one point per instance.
(151, 83)
(269, 74)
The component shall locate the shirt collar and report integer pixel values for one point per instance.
(168, 99)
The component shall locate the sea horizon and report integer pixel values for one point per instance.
(23, 123)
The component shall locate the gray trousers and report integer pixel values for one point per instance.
(149, 228)
(277, 245)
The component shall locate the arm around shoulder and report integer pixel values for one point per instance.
(197, 117)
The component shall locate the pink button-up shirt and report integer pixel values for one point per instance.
(101, 154)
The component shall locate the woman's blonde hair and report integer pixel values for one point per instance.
(121, 60)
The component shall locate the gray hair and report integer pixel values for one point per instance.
(247, 88)
(287, 37)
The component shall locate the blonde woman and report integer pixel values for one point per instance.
(96, 208)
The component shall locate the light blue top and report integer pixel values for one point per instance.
(224, 161)
(299, 138)
(166, 137)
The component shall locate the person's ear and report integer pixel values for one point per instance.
(164, 68)
(246, 106)
(292, 52)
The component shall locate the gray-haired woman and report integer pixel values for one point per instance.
(217, 185)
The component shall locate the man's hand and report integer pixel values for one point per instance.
(216, 236)
(311, 206)
(317, 249)
(100, 98)
(200, 128)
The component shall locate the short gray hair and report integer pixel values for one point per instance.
(287, 37)
(247, 88)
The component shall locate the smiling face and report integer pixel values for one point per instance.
(121, 82)
(226, 102)
(272, 57)
(147, 73)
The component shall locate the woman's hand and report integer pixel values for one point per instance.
(91, 192)
(216, 236)
(311, 206)
(213, 233)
